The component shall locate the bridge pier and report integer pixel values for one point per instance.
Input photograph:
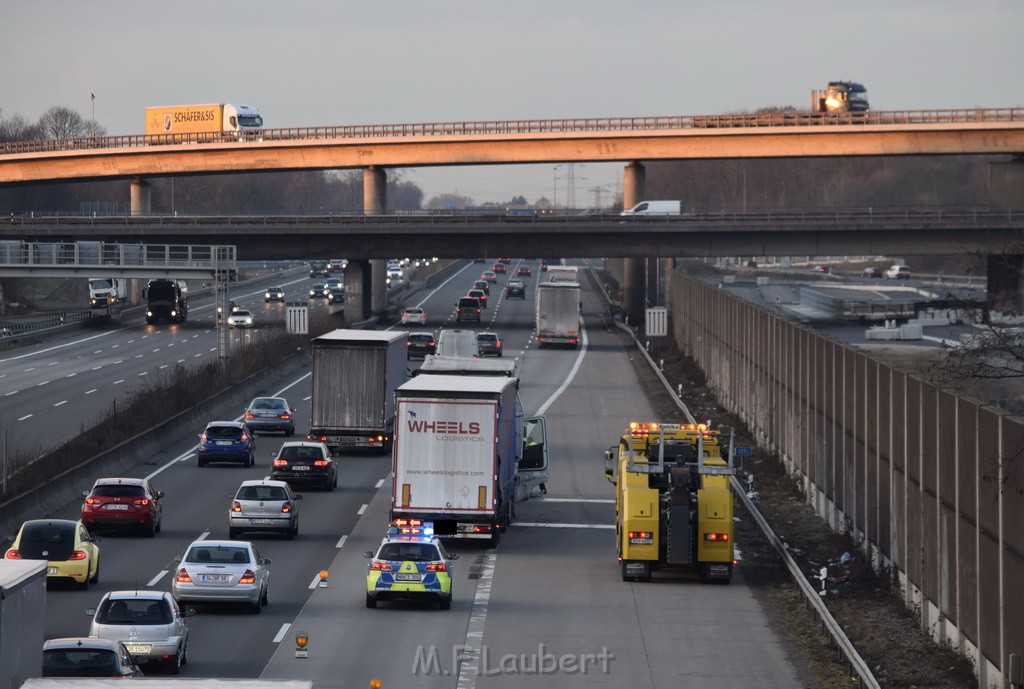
(633, 281)
(375, 202)
(141, 197)
(357, 290)
(1006, 185)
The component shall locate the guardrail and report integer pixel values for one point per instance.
(503, 127)
(845, 649)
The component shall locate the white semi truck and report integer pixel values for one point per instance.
(558, 314)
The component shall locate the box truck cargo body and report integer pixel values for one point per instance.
(354, 375)
(558, 314)
(241, 121)
(458, 443)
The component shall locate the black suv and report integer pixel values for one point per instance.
(420, 345)
(488, 344)
(515, 289)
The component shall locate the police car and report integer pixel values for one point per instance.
(410, 564)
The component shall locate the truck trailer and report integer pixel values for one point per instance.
(166, 300)
(460, 441)
(558, 314)
(238, 121)
(355, 373)
(673, 501)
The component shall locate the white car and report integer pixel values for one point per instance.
(222, 572)
(414, 316)
(898, 273)
(150, 624)
(240, 319)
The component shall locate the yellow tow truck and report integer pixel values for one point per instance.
(673, 501)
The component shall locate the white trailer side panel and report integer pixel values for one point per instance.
(445, 455)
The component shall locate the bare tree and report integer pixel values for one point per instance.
(60, 122)
(17, 128)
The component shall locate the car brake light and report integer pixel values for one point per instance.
(77, 555)
(286, 507)
(284, 416)
(248, 415)
(280, 462)
(236, 506)
(382, 566)
(203, 437)
(437, 567)
(93, 501)
(141, 503)
(248, 578)
(182, 577)
(13, 555)
(320, 463)
(245, 438)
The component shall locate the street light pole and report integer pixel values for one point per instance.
(92, 97)
(554, 185)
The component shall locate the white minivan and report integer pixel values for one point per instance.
(457, 343)
(655, 208)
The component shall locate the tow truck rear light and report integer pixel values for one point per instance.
(248, 578)
(721, 537)
(408, 522)
(182, 577)
(437, 567)
(236, 506)
(381, 566)
(77, 555)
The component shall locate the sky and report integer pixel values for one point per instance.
(333, 62)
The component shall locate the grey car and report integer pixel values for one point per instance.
(222, 572)
(264, 506)
(150, 624)
(270, 415)
(85, 657)
(488, 344)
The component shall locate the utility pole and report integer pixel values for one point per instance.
(554, 188)
(598, 191)
(92, 97)
(570, 186)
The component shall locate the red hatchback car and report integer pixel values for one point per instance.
(122, 503)
(498, 267)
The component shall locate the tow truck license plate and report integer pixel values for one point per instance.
(403, 576)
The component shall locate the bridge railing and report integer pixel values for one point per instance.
(23, 254)
(504, 127)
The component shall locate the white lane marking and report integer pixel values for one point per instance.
(341, 541)
(379, 483)
(362, 509)
(60, 403)
(96, 368)
(196, 356)
(138, 356)
(555, 525)
(572, 374)
(60, 346)
(164, 366)
(203, 536)
(45, 382)
(144, 373)
(12, 392)
(597, 500)
(72, 375)
(118, 382)
(114, 346)
(316, 582)
(187, 457)
(307, 398)
(27, 416)
(282, 631)
(89, 392)
(53, 363)
(181, 361)
(29, 369)
(469, 669)
(158, 577)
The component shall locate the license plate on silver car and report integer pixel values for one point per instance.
(216, 577)
(261, 521)
(138, 648)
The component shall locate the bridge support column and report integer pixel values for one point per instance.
(1006, 185)
(357, 291)
(141, 197)
(375, 202)
(633, 280)
(1006, 284)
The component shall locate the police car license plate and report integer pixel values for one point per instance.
(405, 576)
(138, 648)
(115, 506)
(51, 570)
(261, 521)
(300, 467)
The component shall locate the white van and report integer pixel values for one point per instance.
(458, 344)
(655, 208)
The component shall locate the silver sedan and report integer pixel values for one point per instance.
(222, 572)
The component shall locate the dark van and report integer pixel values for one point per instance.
(467, 310)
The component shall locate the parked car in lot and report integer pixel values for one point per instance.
(240, 319)
(467, 310)
(872, 272)
(898, 273)
(420, 345)
(484, 285)
(524, 271)
(515, 289)
(265, 507)
(480, 295)
(488, 344)
(270, 415)
(305, 462)
(414, 316)
(123, 503)
(222, 572)
(67, 546)
(149, 623)
(273, 294)
(85, 657)
(226, 441)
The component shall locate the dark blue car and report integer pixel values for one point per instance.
(227, 441)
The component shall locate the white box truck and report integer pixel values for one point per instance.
(459, 445)
(558, 314)
(355, 373)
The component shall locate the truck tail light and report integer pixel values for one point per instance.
(716, 537)
(182, 577)
(248, 578)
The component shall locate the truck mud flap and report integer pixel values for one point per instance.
(636, 570)
(716, 572)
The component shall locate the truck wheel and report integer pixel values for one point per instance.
(495, 539)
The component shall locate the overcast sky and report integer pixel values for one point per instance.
(331, 62)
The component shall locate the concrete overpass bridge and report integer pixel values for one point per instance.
(374, 148)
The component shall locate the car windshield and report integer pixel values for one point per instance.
(417, 552)
(79, 662)
(118, 491)
(223, 555)
(261, 493)
(134, 611)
